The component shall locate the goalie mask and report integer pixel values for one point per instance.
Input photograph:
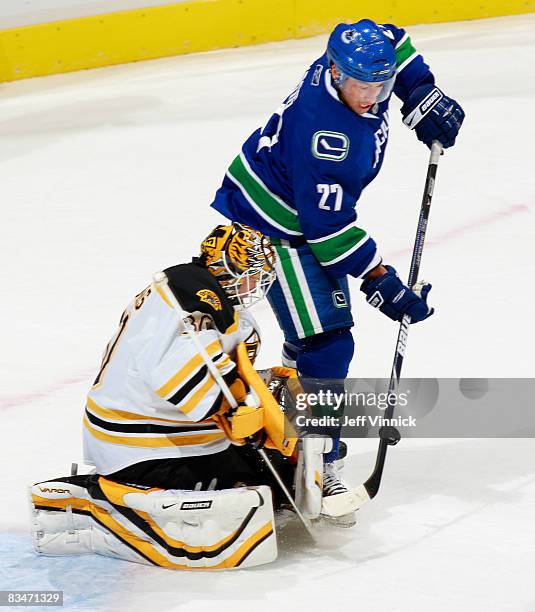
(242, 260)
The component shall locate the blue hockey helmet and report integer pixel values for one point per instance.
(361, 50)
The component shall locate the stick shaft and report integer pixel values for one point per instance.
(416, 259)
(374, 481)
(161, 279)
(302, 518)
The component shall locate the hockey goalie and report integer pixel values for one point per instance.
(174, 422)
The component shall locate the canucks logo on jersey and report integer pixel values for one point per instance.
(330, 145)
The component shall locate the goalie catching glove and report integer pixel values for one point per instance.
(257, 412)
(241, 421)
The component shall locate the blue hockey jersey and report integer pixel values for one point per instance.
(299, 177)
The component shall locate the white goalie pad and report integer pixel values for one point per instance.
(309, 475)
(194, 530)
(309, 483)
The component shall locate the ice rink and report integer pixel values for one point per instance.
(106, 177)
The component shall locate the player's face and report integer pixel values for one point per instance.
(242, 289)
(359, 95)
(248, 284)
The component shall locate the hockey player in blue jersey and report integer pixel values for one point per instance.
(299, 178)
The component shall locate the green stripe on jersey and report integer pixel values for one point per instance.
(297, 296)
(264, 200)
(331, 248)
(404, 51)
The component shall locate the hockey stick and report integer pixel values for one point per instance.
(161, 280)
(389, 436)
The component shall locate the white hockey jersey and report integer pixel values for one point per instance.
(154, 395)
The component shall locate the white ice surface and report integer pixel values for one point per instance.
(106, 177)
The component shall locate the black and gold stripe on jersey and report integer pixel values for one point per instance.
(193, 384)
(148, 427)
(130, 429)
(179, 377)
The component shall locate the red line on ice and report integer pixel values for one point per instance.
(16, 400)
(475, 224)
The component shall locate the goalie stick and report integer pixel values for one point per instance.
(161, 280)
(389, 436)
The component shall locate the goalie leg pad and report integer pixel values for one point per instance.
(197, 530)
(309, 475)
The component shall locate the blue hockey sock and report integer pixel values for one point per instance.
(327, 356)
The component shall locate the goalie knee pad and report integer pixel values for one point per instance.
(197, 530)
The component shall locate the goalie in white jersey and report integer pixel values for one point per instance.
(168, 450)
(150, 414)
(173, 423)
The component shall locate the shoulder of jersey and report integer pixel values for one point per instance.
(317, 91)
(197, 290)
(393, 32)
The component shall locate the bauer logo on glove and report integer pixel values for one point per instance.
(433, 116)
(376, 300)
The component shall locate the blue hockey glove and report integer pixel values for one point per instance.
(433, 115)
(395, 299)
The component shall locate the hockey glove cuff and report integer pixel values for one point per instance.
(433, 115)
(395, 299)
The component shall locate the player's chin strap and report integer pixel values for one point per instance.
(389, 436)
(161, 280)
